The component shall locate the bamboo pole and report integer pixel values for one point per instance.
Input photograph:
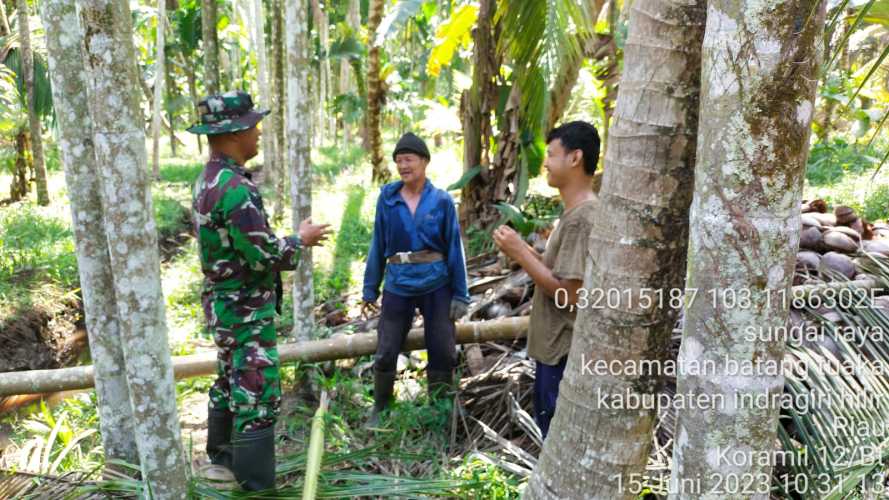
(313, 351)
(316, 451)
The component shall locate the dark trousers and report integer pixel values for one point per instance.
(546, 392)
(395, 322)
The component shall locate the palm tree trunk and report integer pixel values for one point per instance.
(265, 95)
(637, 245)
(78, 158)
(172, 93)
(348, 76)
(477, 104)
(280, 93)
(112, 88)
(193, 92)
(299, 116)
(745, 220)
(158, 106)
(375, 95)
(33, 119)
(211, 46)
(20, 185)
(325, 127)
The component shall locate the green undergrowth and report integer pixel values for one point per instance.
(844, 173)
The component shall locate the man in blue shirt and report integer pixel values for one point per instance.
(416, 244)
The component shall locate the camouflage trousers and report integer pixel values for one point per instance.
(248, 381)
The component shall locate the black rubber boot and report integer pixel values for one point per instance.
(384, 385)
(253, 459)
(219, 437)
(439, 383)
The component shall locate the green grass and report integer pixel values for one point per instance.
(36, 254)
(352, 242)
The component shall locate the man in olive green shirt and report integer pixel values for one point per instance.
(572, 153)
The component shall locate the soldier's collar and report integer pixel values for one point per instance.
(229, 162)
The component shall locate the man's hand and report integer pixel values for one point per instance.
(509, 241)
(313, 234)
(458, 309)
(369, 308)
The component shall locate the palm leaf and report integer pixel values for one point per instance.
(396, 19)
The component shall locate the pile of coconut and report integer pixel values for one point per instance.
(831, 244)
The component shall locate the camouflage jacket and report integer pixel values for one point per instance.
(240, 255)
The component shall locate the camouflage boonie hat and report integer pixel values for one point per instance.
(224, 113)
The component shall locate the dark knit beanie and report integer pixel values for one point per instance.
(410, 143)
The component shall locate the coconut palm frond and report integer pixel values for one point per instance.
(536, 37)
(834, 429)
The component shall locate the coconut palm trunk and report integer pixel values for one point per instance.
(299, 116)
(211, 45)
(348, 77)
(33, 120)
(760, 69)
(93, 264)
(477, 104)
(158, 107)
(637, 247)
(113, 96)
(375, 94)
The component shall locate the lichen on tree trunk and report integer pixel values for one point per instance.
(760, 67)
(119, 141)
(210, 40)
(93, 264)
(376, 95)
(637, 246)
(299, 116)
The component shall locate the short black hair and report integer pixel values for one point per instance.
(579, 135)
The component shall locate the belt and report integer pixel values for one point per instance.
(415, 257)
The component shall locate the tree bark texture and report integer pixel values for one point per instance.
(93, 264)
(478, 103)
(265, 95)
(375, 95)
(637, 245)
(211, 45)
(158, 108)
(299, 116)
(33, 120)
(280, 99)
(20, 185)
(760, 68)
(119, 141)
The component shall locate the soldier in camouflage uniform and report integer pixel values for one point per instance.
(241, 259)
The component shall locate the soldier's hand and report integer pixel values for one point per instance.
(313, 234)
(369, 309)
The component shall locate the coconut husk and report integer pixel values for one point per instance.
(876, 246)
(848, 231)
(845, 215)
(811, 238)
(808, 260)
(818, 206)
(839, 242)
(837, 262)
(825, 219)
(809, 221)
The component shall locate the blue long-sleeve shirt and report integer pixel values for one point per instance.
(434, 226)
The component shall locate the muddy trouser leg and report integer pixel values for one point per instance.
(439, 332)
(546, 392)
(255, 400)
(396, 317)
(219, 414)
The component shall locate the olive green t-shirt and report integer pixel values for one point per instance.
(549, 334)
